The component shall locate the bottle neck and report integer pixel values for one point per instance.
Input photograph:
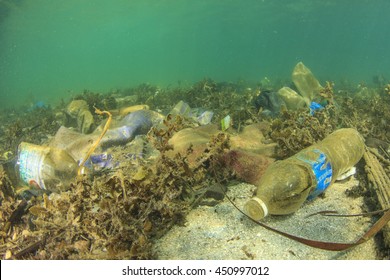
(256, 209)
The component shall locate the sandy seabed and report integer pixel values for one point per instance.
(222, 232)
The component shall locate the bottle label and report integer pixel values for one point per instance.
(29, 164)
(321, 169)
(101, 161)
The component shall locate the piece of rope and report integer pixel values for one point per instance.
(330, 246)
(331, 213)
(94, 146)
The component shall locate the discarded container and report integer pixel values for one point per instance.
(136, 123)
(181, 108)
(204, 117)
(100, 162)
(226, 122)
(271, 103)
(55, 166)
(44, 167)
(291, 99)
(200, 115)
(306, 83)
(288, 183)
(314, 106)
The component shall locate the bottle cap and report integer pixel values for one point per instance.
(256, 209)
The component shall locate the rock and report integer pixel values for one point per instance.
(305, 82)
(75, 107)
(85, 121)
(291, 98)
(78, 109)
(61, 118)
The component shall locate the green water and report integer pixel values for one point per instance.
(52, 49)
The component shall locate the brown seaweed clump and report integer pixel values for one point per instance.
(34, 126)
(296, 130)
(115, 219)
(110, 217)
(223, 99)
(327, 93)
(115, 214)
(367, 111)
(13, 223)
(119, 213)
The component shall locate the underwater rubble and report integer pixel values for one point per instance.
(120, 213)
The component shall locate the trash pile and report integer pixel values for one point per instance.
(106, 185)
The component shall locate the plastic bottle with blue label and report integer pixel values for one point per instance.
(288, 183)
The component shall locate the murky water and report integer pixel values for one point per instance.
(54, 49)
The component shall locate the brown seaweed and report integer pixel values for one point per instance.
(119, 213)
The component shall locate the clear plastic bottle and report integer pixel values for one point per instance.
(48, 168)
(288, 183)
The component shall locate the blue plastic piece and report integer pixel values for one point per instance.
(37, 105)
(98, 162)
(133, 124)
(101, 161)
(40, 104)
(315, 107)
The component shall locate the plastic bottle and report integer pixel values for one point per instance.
(54, 167)
(288, 183)
(138, 122)
(48, 168)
